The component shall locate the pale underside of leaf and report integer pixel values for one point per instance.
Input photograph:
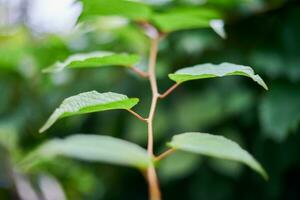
(95, 148)
(94, 59)
(186, 18)
(212, 70)
(215, 146)
(89, 102)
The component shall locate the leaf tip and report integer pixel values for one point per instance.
(264, 174)
(266, 87)
(42, 130)
(261, 82)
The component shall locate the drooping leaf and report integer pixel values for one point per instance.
(129, 9)
(184, 18)
(92, 148)
(227, 167)
(94, 59)
(211, 70)
(215, 146)
(89, 102)
(280, 111)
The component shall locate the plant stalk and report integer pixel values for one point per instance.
(154, 190)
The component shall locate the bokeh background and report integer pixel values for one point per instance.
(264, 34)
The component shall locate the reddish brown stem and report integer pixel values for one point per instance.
(139, 72)
(169, 91)
(137, 115)
(154, 190)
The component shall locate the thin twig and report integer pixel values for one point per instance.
(139, 72)
(137, 115)
(167, 92)
(164, 154)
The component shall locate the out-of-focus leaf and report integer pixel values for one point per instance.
(178, 165)
(184, 18)
(280, 111)
(92, 148)
(24, 188)
(94, 59)
(204, 110)
(89, 102)
(9, 136)
(51, 188)
(211, 107)
(217, 147)
(13, 49)
(129, 9)
(218, 26)
(211, 70)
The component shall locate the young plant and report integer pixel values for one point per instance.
(116, 151)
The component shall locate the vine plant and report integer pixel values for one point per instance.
(116, 151)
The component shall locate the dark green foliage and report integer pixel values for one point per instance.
(261, 34)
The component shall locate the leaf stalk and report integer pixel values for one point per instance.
(169, 91)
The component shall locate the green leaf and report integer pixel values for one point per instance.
(211, 70)
(91, 148)
(129, 9)
(89, 102)
(178, 165)
(94, 59)
(185, 18)
(9, 136)
(215, 146)
(280, 111)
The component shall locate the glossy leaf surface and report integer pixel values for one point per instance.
(89, 102)
(212, 70)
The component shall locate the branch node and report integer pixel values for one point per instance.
(140, 72)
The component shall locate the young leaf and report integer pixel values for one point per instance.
(187, 18)
(129, 9)
(89, 102)
(211, 70)
(215, 146)
(94, 59)
(92, 148)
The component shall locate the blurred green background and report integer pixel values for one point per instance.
(264, 34)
